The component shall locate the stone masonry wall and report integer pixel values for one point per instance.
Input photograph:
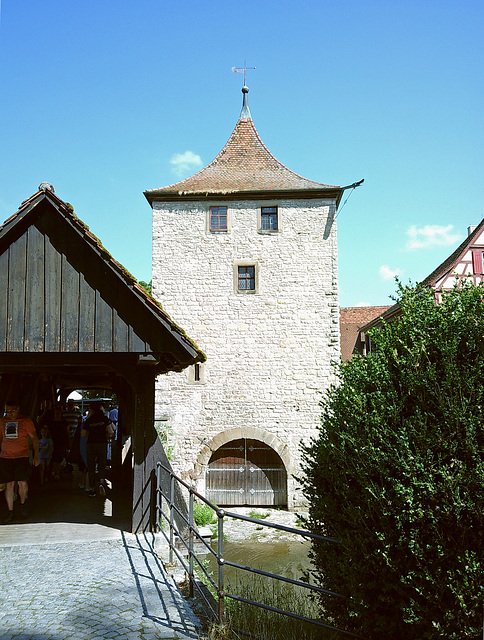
(269, 354)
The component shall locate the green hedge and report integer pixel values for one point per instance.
(397, 475)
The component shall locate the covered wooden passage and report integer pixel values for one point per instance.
(71, 317)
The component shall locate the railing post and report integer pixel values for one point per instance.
(191, 533)
(220, 560)
(158, 499)
(218, 581)
(172, 514)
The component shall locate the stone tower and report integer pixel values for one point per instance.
(245, 260)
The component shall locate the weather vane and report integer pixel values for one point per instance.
(242, 70)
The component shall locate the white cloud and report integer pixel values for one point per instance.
(432, 235)
(183, 163)
(388, 274)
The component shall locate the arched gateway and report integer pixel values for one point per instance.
(246, 472)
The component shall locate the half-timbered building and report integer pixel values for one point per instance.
(467, 261)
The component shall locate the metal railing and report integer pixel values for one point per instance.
(182, 532)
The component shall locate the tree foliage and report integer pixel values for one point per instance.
(146, 286)
(397, 475)
(97, 394)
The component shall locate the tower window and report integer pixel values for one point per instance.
(269, 219)
(246, 278)
(218, 219)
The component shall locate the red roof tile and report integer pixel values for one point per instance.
(351, 321)
(360, 315)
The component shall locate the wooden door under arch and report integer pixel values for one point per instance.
(246, 473)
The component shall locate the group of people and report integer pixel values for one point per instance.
(61, 436)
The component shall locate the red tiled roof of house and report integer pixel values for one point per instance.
(351, 321)
(360, 315)
(244, 165)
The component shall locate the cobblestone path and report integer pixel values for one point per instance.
(94, 590)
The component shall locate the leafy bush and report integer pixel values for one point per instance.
(397, 475)
(203, 514)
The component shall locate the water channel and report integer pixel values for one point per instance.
(275, 552)
(288, 558)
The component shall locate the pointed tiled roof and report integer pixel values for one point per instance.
(244, 167)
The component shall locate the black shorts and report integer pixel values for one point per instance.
(14, 469)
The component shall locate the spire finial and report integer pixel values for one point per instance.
(242, 70)
(245, 113)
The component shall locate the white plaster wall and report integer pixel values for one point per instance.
(269, 354)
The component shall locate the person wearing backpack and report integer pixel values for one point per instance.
(16, 434)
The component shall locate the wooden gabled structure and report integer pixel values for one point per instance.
(72, 317)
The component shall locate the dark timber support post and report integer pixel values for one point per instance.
(144, 440)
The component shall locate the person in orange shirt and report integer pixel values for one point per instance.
(16, 433)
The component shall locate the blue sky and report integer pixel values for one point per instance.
(107, 98)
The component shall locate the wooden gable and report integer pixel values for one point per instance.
(63, 293)
(50, 306)
(71, 317)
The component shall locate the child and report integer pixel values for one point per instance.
(46, 447)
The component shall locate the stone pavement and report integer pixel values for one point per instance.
(90, 583)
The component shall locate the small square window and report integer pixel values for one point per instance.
(269, 219)
(218, 219)
(246, 278)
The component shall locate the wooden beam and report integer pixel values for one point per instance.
(143, 438)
